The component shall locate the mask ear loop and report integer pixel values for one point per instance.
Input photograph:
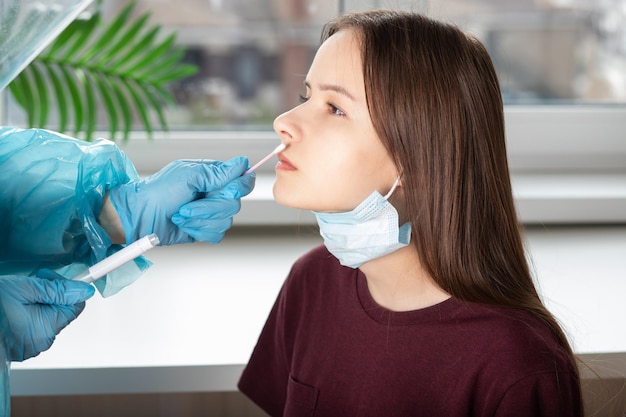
(393, 188)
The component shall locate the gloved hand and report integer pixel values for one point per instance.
(185, 201)
(35, 309)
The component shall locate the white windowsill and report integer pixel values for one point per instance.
(555, 199)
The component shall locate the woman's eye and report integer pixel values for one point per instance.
(332, 109)
(335, 110)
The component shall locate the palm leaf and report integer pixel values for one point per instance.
(109, 101)
(124, 40)
(42, 96)
(59, 92)
(139, 103)
(94, 71)
(90, 99)
(142, 63)
(22, 88)
(140, 45)
(153, 97)
(124, 107)
(75, 95)
(72, 38)
(107, 35)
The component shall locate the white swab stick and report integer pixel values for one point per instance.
(279, 148)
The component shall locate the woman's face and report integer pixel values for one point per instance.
(334, 158)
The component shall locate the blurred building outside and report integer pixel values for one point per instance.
(253, 55)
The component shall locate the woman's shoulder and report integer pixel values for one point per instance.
(494, 321)
(515, 338)
(523, 360)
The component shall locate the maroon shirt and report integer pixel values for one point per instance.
(328, 349)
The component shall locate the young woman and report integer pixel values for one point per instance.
(420, 303)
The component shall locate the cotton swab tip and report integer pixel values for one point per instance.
(276, 150)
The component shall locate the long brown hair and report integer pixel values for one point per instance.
(435, 102)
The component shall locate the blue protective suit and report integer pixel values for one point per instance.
(51, 195)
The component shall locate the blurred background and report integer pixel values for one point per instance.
(174, 343)
(252, 55)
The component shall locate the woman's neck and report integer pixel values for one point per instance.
(399, 283)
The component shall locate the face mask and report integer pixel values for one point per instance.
(365, 233)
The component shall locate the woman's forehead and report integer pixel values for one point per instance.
(338, 62)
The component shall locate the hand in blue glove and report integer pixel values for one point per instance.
(34, 310)
(185, 201)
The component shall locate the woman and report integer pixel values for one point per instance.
(427, 307)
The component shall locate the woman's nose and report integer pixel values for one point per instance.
(285, 126)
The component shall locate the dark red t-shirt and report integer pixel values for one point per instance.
(328, 349)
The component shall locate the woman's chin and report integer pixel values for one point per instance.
(286, 199)
(293, 201)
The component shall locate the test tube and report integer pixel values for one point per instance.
(118, 259)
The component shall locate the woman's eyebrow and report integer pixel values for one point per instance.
(332, 87)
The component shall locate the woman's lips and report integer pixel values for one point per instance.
(284, 163)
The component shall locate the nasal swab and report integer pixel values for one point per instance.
(118, 259)
(279, 148)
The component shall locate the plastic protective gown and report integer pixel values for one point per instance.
(51, 193)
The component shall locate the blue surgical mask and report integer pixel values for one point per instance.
(368, 232)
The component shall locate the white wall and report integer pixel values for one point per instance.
(204, 304)
(581, 273)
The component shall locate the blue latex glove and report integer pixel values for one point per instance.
(34, 310)
(187, 200)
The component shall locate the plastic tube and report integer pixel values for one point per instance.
(118, 259)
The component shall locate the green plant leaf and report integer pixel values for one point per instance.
(59, 91)
(80, 34)
(139, 105)
(165, 95)
(17, 90)
(119, 69)
(142, 45)
(175, 74)
(90, 101)
(77, 103)
(153, 97)
(126, 110)
(125, 39)
(152, 55)
(41, 103)
(28, 96)
(108, 101)
(165, 64)
(108, 35)
(77, 29)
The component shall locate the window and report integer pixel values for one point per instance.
(562, 66)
